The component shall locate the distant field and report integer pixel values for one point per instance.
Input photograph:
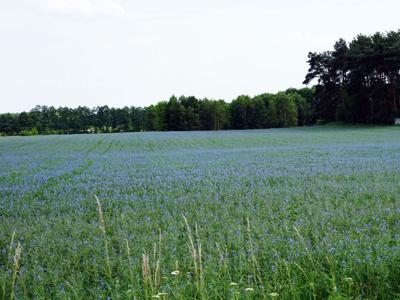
(303, 213)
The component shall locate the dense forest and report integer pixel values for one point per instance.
(357, 83)
(285, 109)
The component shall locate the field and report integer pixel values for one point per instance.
(304, 213)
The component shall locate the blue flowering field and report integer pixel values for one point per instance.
(302, 213)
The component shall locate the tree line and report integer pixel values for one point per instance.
(357, 82)
(291, 108)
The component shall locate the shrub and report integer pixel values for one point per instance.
(29, 132)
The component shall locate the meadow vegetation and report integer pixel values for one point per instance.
(300, 213)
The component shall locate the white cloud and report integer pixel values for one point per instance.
(83, 7)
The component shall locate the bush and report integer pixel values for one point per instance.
(29, 132)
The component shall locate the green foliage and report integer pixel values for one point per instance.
(156, 117)
(241, 112)
(214, 115)
(177, 114)
(359, 82)
(286, 110)
(29, 132)
(305, 101)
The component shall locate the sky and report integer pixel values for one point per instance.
(136, 53)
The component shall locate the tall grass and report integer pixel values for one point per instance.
(13, 264)
(102, 226)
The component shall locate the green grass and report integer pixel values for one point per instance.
(302, 213)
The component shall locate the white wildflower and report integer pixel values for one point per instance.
(273, 295)
(233, 284)
(175, 273)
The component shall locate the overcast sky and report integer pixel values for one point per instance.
(129, 52)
